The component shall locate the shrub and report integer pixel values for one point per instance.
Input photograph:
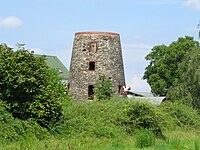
(7, 131)
(103, 88)
(144, 138)
(13, 129)
(96, 118)
(29, 87)
(196, 145)
(142, 115)
(183, 115)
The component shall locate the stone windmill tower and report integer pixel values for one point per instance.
(94, 54)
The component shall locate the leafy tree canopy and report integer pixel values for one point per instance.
(162, 72)
(29, 87)
(187, 88)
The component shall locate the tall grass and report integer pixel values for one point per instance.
(92, 143)
(108, 124)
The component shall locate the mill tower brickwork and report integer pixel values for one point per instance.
(94, 54)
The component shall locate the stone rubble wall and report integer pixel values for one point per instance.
(108, 61)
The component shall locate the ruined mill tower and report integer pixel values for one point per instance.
(94, 54)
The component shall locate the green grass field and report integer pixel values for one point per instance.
(108, 125)
(177, 140)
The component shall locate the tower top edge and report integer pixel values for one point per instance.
(100, 33)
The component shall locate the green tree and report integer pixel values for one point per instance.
(187, 88)
(29, 87)
(162, 72)
(103, 88)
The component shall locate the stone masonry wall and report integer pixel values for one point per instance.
(107, 57)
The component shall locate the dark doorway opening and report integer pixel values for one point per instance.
(91, 92)
(119, 89)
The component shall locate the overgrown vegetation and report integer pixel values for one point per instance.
(103, 125)
(14, 129)
(141, 115)
(103, 88)
(182, 115)
(29, 88)
(144, 138)
(36, 112)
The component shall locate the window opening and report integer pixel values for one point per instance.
(91, 65)
(91, 92)
(93, 47)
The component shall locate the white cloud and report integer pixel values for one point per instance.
(134, 63)
(156, 2)
(65, 59)
(37, 51)
(138, 85)
(193, 3)
(10, 22)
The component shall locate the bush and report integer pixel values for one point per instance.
(141, 115)
(29, 87)
(196, 145)
(103, 88)
(183, 115)
(96, 118)
(13, 129)
(7, 131)
(144, 138)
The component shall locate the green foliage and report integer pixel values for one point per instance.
(13, 129)
(187, 87)
(91, 143)
(29, 87)
(141, 115)
(102, 125)
(144, 138)
(97, 118)
(124, 117)
(196, 145)
(103, 88)
(183, 116)
(162, 72)
(7, 131)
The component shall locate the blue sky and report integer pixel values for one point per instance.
(48, 27)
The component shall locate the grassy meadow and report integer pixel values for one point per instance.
(117, 124)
